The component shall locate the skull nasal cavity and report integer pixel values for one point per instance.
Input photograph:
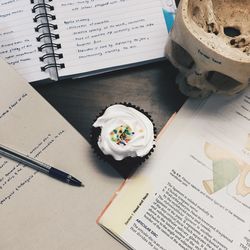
(231, 31)
(221, 81)
(181, 56)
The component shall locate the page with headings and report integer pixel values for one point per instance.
(194, 191)
(37, 211)
(18, 44)
(99, 34)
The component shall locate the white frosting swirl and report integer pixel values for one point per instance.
(141, 141)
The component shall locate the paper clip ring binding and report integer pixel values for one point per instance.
(44, 35)
(53, 65)
(47, 36)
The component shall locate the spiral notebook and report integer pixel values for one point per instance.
(54, 39)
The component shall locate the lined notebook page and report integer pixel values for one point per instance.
(98, 34)
(18, 45)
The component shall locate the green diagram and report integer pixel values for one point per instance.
(226, 168)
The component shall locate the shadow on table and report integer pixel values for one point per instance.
(151, 87)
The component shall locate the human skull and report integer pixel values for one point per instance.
(210, 45)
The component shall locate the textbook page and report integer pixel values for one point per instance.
(194, 192)
(100, 34)
(18, 44)
(37, 211)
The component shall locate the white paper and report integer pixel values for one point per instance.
(194, 193)
(94, 35)
(37, 211)
(18, 44)
(101, 34)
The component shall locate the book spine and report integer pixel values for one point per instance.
(46, 28)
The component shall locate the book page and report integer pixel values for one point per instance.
(18, 44)
(37, 211)
(99, 34)
(194, 193)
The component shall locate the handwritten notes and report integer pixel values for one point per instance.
(14, 176)
(18, 45)
(81, 36)
(97, 34)
(12, 106)
(33, 204)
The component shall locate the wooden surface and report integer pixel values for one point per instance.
(152, 87)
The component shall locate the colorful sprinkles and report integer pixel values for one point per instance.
(121, 135)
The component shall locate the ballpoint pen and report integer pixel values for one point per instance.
(39, 166)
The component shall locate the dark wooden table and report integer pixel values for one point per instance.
(151, 87)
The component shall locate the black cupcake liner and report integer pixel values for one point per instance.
(127, 166)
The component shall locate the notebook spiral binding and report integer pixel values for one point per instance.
(44, 17)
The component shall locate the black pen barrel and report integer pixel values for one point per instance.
(62, 176)
(23, 159)
(39, 166)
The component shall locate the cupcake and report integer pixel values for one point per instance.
(124, 136)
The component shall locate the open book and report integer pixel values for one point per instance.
(194, 192)
(53, 39)
(37, 211)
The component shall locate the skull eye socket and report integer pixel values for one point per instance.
(181, 56)
(221, 82)
(231, 31)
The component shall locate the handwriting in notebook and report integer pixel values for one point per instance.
(98, 33)
(55, 39)
(18, 39)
